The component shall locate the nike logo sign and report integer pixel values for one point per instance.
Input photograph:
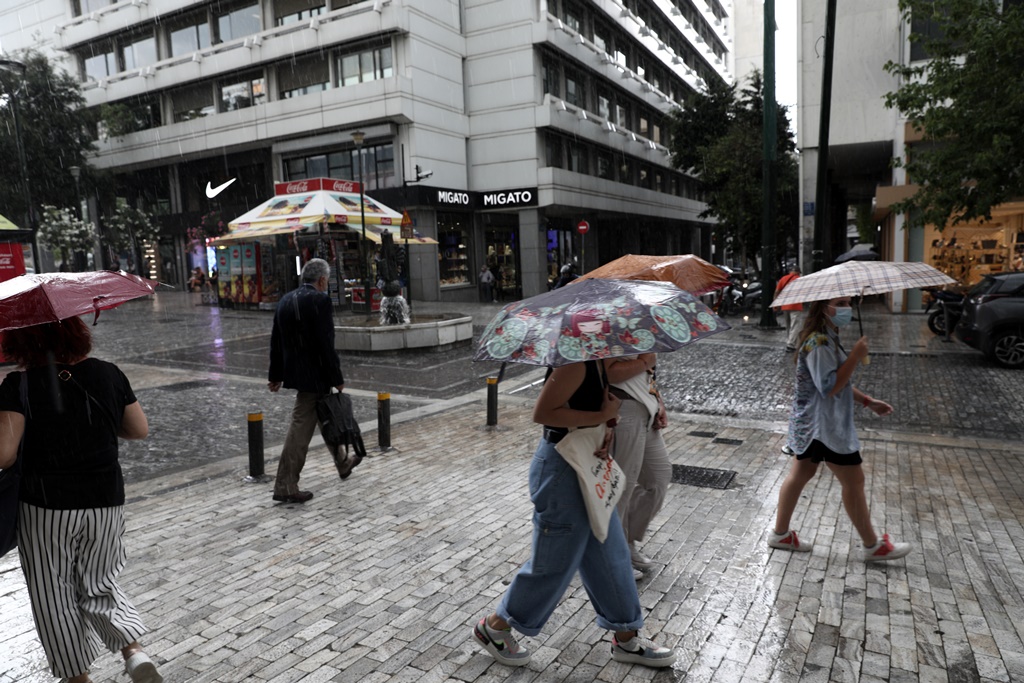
(212, 192)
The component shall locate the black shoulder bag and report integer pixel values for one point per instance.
(340, 431)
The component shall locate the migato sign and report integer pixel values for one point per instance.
(525, 197)
(497, 199)
(453, 197)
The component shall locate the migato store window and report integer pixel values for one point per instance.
(454, 246)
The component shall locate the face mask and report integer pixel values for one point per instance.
(843, 316)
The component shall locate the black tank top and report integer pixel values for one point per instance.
(589, 396)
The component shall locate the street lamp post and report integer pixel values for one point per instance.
(358, 137)
(18, 68)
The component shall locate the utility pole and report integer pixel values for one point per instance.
(822, 251)
(769, 159)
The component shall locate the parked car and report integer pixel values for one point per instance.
(993, 318)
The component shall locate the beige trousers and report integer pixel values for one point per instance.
(642, 455)
(296, 444)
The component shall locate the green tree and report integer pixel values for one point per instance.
(55, 130)
(128, 228)
(63, 233)
(717, 135)
(968, 102)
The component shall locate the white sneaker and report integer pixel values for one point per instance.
(637, 574)
(640, 561)
(885, 550)
(642, 651)
(788, 541)
(141, 669)
(501, 645)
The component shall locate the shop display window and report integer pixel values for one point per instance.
(453, 237)
(502, 254)
(968, 254)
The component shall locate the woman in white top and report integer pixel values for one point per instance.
(639, 449)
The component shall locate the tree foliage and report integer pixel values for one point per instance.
(55, 131)
(127, 228)
(968, 102)
(717, 135)
(63, 233)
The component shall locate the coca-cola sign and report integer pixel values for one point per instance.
(342, 186)
(315, 184)
(292, 221)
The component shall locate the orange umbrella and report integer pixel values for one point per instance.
(686, 271)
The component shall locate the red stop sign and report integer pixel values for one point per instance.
(582, 227)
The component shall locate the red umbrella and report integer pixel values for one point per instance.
(36, 299)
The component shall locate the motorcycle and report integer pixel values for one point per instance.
(947, 304)
(740, 296)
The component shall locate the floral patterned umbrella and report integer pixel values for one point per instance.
(597, 319)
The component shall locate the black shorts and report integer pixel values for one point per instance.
(818, 452)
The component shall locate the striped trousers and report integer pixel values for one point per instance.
(71, 560)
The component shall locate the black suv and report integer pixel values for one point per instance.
(993, 318)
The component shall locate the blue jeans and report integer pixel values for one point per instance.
(563, 544)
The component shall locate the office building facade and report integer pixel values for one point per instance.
(499, 126)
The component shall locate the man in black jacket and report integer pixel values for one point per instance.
(302, 357)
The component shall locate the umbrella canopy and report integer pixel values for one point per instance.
(686, 271)
(48, 297)
(6, 224)
(860, 252)
(860, 278)
(321, 201)
(597, 319)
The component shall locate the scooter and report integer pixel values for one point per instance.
(740, 296)
(946, 303)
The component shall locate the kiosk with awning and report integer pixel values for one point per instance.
(314, 218)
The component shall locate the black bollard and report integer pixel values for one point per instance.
(255, 446)
(492, 401)
(384, 421)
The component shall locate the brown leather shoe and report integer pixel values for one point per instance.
(300, 497)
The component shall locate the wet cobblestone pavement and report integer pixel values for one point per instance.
(380, 577)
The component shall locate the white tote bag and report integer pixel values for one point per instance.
(601, 479)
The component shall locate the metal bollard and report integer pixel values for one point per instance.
(384, 421)
(492, 401)
(255, 446)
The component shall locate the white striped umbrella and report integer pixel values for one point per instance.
(860, 278)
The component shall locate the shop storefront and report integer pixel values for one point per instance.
(969, 252)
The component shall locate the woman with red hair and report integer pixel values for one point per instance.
(66, 411)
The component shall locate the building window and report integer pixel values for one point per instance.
(604, 107)
(303, 76)
(656, 133)
(89, 6)
(554, 152)
(572, 16)
(192, 103)
(644, 127)
(240, 93)
(366, 65)
(575, 88)
(605, 168)
(291, 11)
(622, 116)
(190, 38)
(453, 237)
(645, 177)
(601, 38)
(100, 63)
(239, 23)
(625, 174)
(378, 166)
(551, 84)
(140, 53)
(576, 156)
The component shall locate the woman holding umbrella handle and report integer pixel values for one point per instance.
(821, 429)
(67, 410)
(574, 395)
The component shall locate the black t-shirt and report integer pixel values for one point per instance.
(69, 456)
(590, 394)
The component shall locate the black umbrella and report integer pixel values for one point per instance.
(856, 254)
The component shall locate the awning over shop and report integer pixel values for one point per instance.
(318, 202)
(7, 224)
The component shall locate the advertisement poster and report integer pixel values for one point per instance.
(12, 260)
(270, 289)
(250, 281)
(224, 273)
(235, 266)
